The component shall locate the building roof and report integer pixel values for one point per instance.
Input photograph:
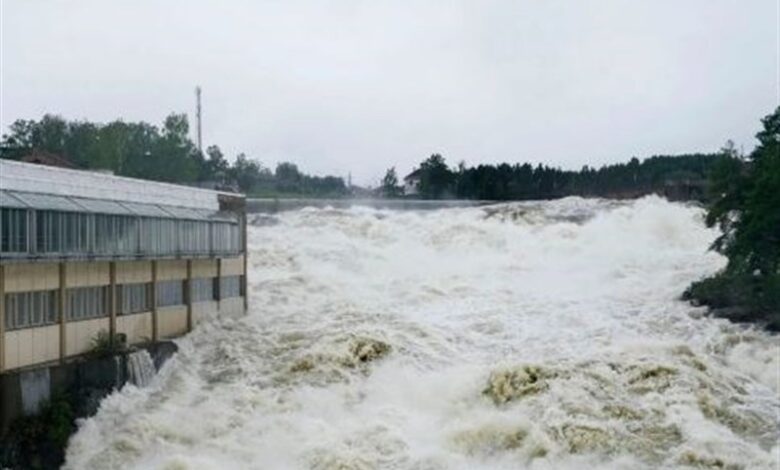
(97, 188)
(413, 175)
(42, 157)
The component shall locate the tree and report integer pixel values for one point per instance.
(436, 179)
(288, 178)
(246, 172)
(216, 166)
(390, 187)
(747, 209)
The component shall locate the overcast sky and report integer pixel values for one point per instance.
(359, 86)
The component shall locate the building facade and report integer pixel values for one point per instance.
(412, 183)
(87, 258)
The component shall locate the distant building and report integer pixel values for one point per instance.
(84, 254)
(41, 157)
(412, 183)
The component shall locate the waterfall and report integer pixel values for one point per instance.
(140, 368)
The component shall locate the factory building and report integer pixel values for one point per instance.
(87, 257)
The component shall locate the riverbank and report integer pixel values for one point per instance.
(739, 298)
(41, 407)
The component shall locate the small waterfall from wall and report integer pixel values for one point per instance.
(140, 368)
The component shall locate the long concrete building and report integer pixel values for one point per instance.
(86, 256)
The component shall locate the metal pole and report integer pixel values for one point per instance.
(200, 141)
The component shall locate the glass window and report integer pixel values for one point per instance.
(170, 293)
(225, 237)
(194, 236)
(87, 302)
(230, 286)
(134, 298)
(158, 236)
(13, 230)
(30, 309)
(203, 289)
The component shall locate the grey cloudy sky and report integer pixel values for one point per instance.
(360, 86)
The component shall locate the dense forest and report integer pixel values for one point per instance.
(679, 177)
(746, 207)
(142, 150)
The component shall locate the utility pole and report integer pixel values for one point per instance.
(200, 141)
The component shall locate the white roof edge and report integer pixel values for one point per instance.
(19, 176)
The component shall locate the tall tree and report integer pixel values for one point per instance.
(436, 179)
(390, 187)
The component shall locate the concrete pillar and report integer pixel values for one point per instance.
(61, 307)
(245, 278)
(154, 301)
(218, 284)
(188, 294)
(112, 301)
(2, 318)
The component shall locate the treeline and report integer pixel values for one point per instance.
(166, 153)
(680, 177)
(746, 207)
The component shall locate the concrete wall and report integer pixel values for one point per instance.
(204, 268)
(31, 277)
(80, 335)
(233, 266)
(232, 307)
(86, 274)
(169, 270)
(137, 327)
(204, 311)
(130, 272)
(32, 346)
(171, 321)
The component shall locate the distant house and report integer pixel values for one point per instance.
(412, 183)
(41, 157)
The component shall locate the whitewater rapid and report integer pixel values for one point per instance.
(527, 335)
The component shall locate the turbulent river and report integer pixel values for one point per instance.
(527, 335)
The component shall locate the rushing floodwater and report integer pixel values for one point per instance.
(539, 335)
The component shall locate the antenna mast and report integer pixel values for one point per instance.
(200, 141)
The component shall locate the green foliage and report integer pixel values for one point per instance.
(102, 345)
(746, 206)
(658, 174)
(436, 179)
(39, 440)
(390, 187)
(142, 150)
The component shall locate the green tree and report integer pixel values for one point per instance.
(436, 179)
(216, 166)
(747, 209)
(390, 187)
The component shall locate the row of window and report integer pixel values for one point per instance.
(54, 232)
(29, 309)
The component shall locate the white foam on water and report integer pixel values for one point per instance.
(527, 335)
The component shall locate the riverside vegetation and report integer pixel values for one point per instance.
(746, 207)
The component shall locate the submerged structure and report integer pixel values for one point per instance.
(87, 257)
